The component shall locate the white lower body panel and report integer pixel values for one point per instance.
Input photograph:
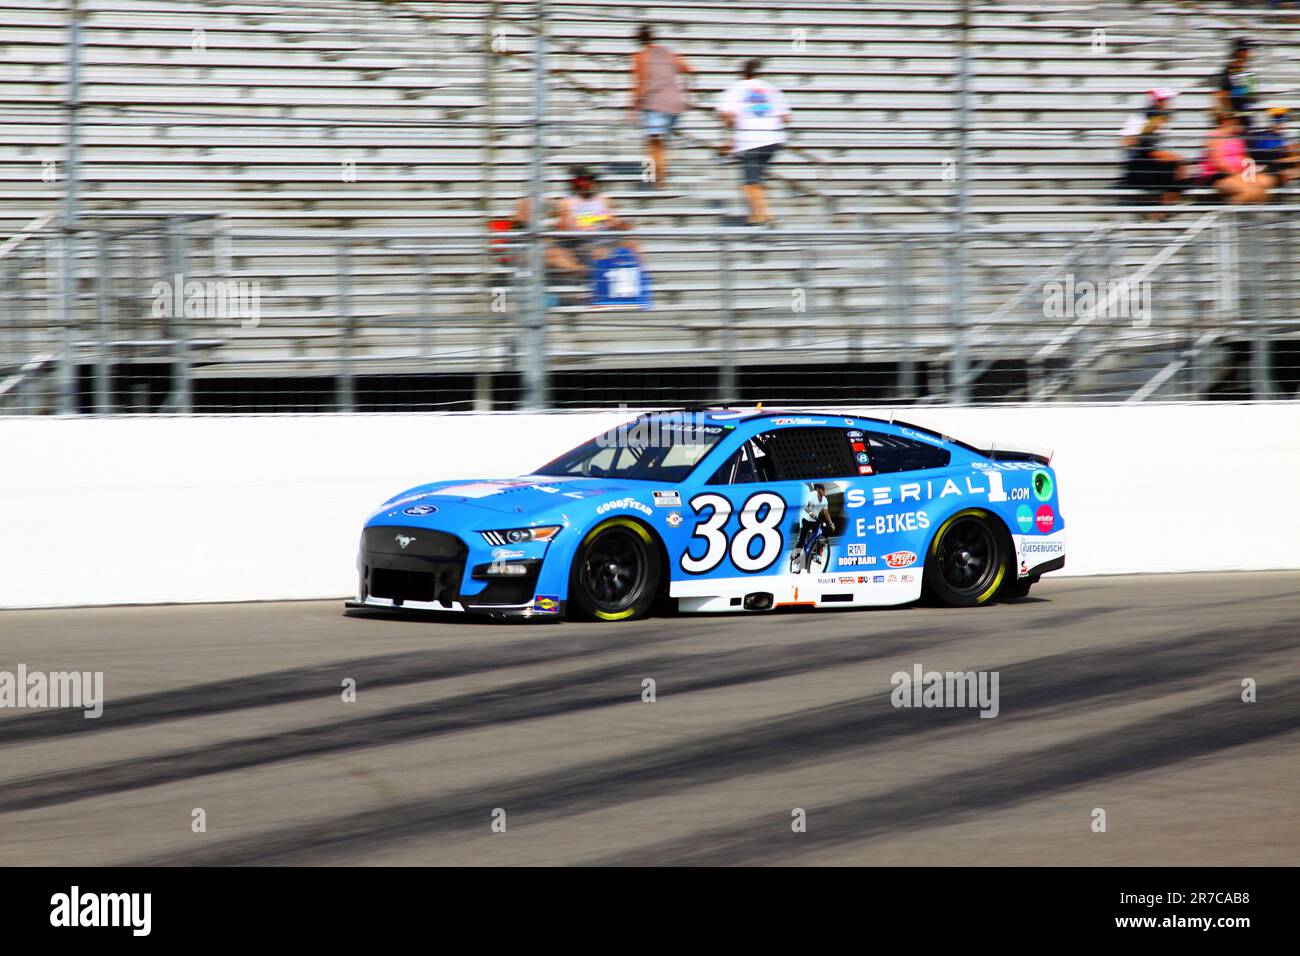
(877, 589)
(1035, 550)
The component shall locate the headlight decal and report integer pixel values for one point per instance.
(521, 535)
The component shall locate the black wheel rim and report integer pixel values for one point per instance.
(614, 570)
(968, 556)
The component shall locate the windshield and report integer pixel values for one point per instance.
(660, 448)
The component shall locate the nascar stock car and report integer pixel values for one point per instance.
(723, 510)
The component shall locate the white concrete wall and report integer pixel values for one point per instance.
(146, 510)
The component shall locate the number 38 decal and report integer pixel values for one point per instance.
(756, 544)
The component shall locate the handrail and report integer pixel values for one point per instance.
(1036, 283)
(1124, 286)
(29, 230)
(1169, 371)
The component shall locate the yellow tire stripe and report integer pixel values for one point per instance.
(606, 616)
(617, 523)
(934, 550)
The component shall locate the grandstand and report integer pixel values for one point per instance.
(348, 155)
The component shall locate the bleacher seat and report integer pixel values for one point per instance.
(306, 125)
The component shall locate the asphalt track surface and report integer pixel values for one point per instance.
(1115, 693)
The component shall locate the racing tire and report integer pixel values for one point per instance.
(967, 559)
(615, 574)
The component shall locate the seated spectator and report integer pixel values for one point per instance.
(1228, 167)
(556, 257)
(1161, 98)
(1153, 170)
(1273, 150)
(1237, 82)
(587, 210)
(584, 209)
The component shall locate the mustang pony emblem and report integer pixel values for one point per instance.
(403, 540)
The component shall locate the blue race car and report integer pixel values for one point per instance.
(721, 510)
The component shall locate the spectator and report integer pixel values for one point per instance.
(586, 209)
(756, 113)
(658, 93)
(557, 257)
(1237, 85)
(1161, 98)
(1154, 170)
(1272, 149)
(1228, 167)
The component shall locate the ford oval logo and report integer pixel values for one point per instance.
(420, 511)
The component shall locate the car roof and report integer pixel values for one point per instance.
(732, 416)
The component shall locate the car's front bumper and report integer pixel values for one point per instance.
(421, 569)
(529, 611)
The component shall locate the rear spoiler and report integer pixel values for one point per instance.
(1009, 453)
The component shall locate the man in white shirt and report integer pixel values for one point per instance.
(756, 113)
(815, 511)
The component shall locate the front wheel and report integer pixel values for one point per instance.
(967, 560)
(616, 572)
(820, 556)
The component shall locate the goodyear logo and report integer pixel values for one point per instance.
(609, 506)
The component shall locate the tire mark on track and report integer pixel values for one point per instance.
(390, 670)
(305, 683)
(1046, 686)
(1197, 731)
(571, 692)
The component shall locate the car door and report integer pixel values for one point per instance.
(895, 508)
(748, 518)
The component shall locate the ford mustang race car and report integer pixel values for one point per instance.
(723, 510)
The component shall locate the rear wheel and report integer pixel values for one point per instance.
(616, 572)
(967, 561)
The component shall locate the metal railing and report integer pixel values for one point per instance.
(176, 314)
(98, 316)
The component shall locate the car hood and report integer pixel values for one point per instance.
(517, 496)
